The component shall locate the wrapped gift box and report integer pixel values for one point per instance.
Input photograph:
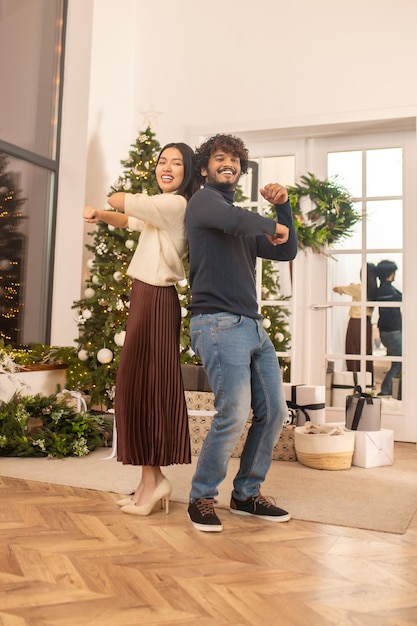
(194, 377)
(199, 400)
(344, 384)
(201, 409)
(199, 423)
(284, 449)
(310, 398)
(363, 412)
(396, 388)
(329, 381)
(200, 405)
(373, 449)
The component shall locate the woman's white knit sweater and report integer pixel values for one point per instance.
(163, 242)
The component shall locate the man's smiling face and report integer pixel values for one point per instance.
(223, 170)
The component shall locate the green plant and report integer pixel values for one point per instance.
(48, 426)
(331, 216)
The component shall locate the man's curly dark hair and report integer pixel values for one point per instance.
(227, 143)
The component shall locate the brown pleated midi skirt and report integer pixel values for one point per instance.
(150, 410)
(353, 343)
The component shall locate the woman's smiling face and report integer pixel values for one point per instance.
(170, 170)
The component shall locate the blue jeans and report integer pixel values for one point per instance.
(393, 342)
(243, 372)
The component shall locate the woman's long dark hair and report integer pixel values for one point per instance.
(189, 184)
(371, 283)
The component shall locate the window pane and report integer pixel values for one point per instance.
(352, 241)
(344, 272)
(346, 168)
(248, 183)
(384, 172)
(30, 52)
(278, 169)
(25, 243)
(384, 224)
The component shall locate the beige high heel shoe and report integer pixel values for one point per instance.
(162, 493)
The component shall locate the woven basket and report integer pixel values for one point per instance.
(326, 461)
(324, 447)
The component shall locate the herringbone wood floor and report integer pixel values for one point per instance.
(69, 557)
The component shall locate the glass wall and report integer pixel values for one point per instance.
(32, 37)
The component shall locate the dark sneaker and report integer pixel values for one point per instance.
(259, 507)
(203, 517)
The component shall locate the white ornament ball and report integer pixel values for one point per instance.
(104, 356)
(111, 228)
(90, 264)
(130, 244)
(279, 337)
(87, 314)
(96, 279)
(117, 276)
(183, 282)
(184, 312)
(119, 337)
(89, 292)
(266, 323)
(83, 355)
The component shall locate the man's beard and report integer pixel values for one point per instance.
(226, 185)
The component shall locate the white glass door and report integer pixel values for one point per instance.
(351, 333)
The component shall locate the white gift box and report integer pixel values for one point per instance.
(312, 396)
(344, 384)
(11, 384)
(373, 448)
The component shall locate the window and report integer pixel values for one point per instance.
(31, 62)
(374, 178)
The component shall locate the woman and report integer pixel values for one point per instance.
(150, 409)
(353, 332)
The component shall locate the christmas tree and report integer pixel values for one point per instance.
(103, 312)
(12, 244)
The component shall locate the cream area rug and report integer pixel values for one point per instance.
(379, 499)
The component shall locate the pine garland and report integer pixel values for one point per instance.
(332, 217)
(47, 426)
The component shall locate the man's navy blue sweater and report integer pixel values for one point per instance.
(224, 241)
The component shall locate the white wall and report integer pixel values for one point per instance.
(216, 67)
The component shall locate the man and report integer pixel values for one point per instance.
(227, 331)
(390, 321)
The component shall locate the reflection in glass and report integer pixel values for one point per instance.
(30, 55)
(352, 241)
(389, 322)
(384, 172)
(34, 184)
(12, 253)
(248, 183)
(376, 174)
